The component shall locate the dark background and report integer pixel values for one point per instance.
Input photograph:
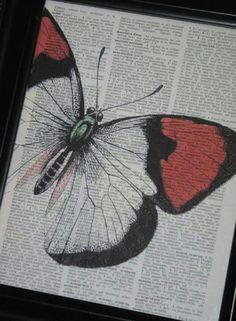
(18, 26)
(227, 6)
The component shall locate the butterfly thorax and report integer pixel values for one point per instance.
(81, 131)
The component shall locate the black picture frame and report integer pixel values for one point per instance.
(18, 32)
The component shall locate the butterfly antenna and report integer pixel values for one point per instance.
(98, 65)
(136, 100)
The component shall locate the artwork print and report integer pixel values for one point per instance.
(106, 180)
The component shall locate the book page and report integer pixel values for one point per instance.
(82, 215)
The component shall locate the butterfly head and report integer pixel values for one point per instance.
(96, 114)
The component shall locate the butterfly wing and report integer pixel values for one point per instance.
(188, 159)
(130, 166)
(56, 104)
(53, 58)
(107, 213)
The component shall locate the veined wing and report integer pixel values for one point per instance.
(107, 214)
(130, 166)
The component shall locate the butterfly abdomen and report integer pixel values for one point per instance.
(51, 172)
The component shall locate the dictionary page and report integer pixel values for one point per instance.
(174, 266)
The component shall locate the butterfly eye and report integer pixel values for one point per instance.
(90, 110)
(99, 116)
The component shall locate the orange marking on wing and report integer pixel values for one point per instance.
(196, 161)
(50, 42)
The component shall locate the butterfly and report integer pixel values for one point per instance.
(106, 180)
